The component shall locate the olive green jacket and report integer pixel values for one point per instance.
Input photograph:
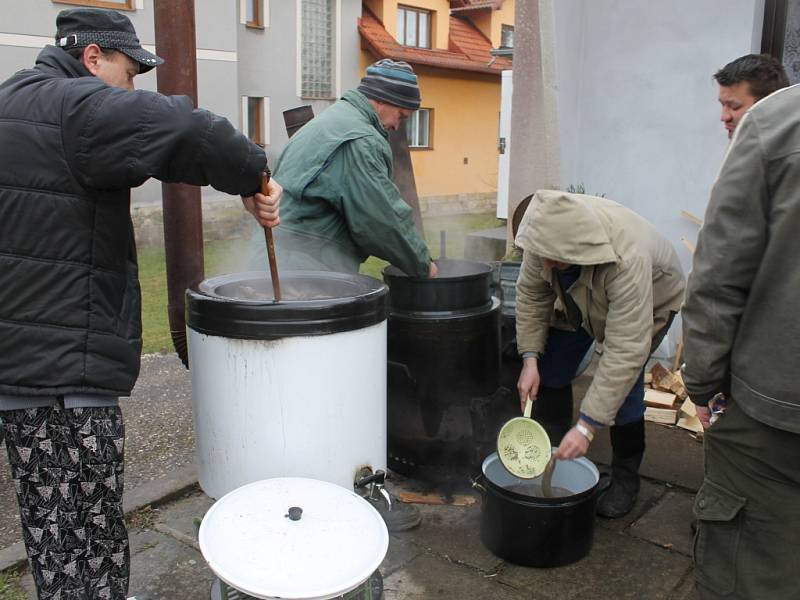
(339, 203)
(630, 281)
(740, 323)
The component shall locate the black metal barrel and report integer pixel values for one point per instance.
(444, 368)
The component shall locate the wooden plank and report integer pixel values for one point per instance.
(676, 364)
(688, 244)
(690, 423)
(437, 499)
(692, 217)
(689, 408)
(659, 399)
(667, 416)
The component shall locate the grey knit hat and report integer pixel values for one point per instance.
(393, 82)
(79, 27)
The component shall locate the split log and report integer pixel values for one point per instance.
(667, 381)
(688, 419)
(667, 416)
(658, 399)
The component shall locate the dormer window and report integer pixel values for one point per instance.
(413, 27)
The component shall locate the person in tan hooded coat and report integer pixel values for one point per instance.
(593, 270)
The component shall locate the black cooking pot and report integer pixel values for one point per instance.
(533, 531)
(444, 362)
(460, 284)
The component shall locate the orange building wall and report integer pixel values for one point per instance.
(386, 11)
(466, 113)
(482, 19)
(504, 16)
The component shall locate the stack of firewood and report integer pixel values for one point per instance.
(666, 400)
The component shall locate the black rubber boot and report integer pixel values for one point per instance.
(627, 443)
(553, 410)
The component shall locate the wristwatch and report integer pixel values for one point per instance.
(584, 430)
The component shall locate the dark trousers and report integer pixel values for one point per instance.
(67, 467)
(562, 357)
(748, 511)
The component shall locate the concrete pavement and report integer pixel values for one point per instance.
(646, 556)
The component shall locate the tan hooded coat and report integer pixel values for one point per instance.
(630, 282)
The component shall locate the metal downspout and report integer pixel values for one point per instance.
(183, 217)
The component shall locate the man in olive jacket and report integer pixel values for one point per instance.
(593, 270)
(742, 340)
(340, 204)
(74, 138)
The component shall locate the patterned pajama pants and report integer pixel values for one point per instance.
(67, 466)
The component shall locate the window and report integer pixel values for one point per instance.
(414, 27)
(116, 4)
(418, 127)
(507, 36)
(253, 13)
(317, 47)
(255, 119)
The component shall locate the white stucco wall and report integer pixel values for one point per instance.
(635, 114)
(637, 105)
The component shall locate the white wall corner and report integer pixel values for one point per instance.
(266, 121)
(243, 116)
(338, 51)
(758, 26)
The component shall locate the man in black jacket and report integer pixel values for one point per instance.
(74, 138)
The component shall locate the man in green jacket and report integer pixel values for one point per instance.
(339, 203)
(742, 340)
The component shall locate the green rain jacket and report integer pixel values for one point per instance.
(339, 203)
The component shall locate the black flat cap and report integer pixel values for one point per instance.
(79, 27)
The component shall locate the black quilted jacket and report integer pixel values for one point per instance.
(71, 148)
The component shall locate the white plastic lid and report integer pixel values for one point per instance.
(251, 544)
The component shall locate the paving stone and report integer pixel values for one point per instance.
(687, 589)
(649, 495)
(668, 522)
(165, 569)
(619, 566)
(181, 515)
(402, 550)
(672, 455)
(453, 532)
(429, 576)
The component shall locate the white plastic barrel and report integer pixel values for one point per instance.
(304, 395)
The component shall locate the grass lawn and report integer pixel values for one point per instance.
(10, 588)
(152, 273)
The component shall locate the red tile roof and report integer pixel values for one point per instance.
(468, 49)
(463, 5)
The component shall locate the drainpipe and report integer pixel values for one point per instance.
(183, 217)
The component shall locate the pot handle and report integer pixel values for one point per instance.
(476, 485)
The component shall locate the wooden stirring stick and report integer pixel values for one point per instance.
(273, 263)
